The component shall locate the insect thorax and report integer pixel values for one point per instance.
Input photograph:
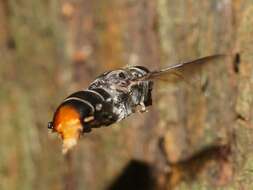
(125, 92)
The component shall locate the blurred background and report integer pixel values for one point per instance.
(187, 140)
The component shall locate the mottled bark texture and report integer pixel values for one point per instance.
(194, 137)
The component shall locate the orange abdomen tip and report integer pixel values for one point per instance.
(65, 114)
(67, 123)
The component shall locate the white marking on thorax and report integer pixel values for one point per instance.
(138, 69)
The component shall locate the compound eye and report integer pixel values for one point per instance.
(50, 125)
(122, 75)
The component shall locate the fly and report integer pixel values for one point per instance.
(113, 96)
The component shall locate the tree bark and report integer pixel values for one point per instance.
(193, 137)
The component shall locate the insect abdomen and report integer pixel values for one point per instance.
(96, 100)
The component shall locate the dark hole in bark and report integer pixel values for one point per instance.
(237, 61)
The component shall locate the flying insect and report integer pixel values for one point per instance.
(113, 96)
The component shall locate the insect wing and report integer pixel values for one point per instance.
(182, 71)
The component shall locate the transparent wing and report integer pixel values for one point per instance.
(181, 71)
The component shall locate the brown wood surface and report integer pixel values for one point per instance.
(194, 137)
